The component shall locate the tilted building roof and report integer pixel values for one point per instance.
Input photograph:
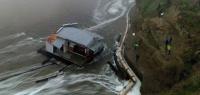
(78, 36)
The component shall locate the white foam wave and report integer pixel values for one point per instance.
(11, 82)
(24, 42)
(104, 11)
(13, 72)
(102, 21)
(13, 36)
(105, 81)
(51, 85)
(136, 89)
(116, 7)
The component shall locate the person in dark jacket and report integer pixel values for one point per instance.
(168, 45)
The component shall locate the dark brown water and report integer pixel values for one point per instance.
(24, 24)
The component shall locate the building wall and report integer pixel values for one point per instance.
(49, 47)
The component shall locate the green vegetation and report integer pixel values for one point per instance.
(149, 8)
(163, 74)
(191, 86)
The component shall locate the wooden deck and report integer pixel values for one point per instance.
(74, 58)
(68, 58)
(50, 55)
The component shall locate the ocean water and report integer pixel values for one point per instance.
(24, 25)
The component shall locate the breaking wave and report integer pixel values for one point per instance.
(52, 86)
(105, 81)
